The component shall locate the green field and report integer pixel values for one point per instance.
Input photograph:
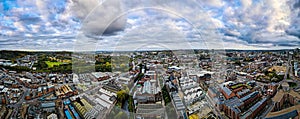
(51, 64)
(292, 84)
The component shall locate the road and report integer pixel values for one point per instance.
(289, 71)
(288, 64)
(214, 109)
(17, 105)
(132, 89)
(159, 72)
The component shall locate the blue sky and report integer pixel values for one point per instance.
(143, 24)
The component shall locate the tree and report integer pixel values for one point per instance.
(122, 65)
(166, 95)
(131, 104)
(121, 97)
(266, 72)
(107, 65)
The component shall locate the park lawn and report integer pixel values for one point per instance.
(292, 84)
(51, 64)
(236, 86)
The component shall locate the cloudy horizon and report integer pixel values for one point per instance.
(99, 25)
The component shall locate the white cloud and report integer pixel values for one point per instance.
(156, 30)
(213, 3)
(19, 26)
(98, 19)
(246, 3)
(197, 24)
(279, 16)
(257, 22)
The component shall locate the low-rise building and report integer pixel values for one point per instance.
(52, 116)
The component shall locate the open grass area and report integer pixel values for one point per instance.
(292, 84)
(237, 86)
(240, 85)
(51, 64)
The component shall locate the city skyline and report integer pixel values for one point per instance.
(149, 59)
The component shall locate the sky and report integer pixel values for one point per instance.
(76, 25)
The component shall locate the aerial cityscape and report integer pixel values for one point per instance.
(141, 59)
(151, 84)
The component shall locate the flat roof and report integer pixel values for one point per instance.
(102, 102)
(281, 93)
(149, 106)
(251, 95)
(105, 98)
(4, 90)
(174, 67)
(285, 113)
(233, 102)
(278, 96)
(294, 94)
(124, 78)
(49, 104)
(258, 104)
(225, 89)
(151, 109)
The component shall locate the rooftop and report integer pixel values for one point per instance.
(251, 95)
(285, 113)
(150, 109)
(278, 96)
(281, 93)
(225, 89)
(48, 104)
(234, 103)
(213, 90)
